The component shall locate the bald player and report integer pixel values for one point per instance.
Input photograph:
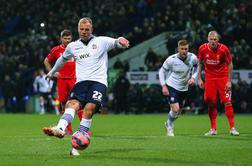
(216, 60)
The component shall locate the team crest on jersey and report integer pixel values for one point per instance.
(94, 46)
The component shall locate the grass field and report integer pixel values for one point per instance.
(126, 140)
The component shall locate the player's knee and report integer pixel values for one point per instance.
(175, 109)
(75, 104)
(210, 102)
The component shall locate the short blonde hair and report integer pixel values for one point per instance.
(85, 20)
(183, 42)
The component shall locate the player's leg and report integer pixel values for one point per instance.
(226, 98)
(63, 93)
(172, 116)
(174, 110)
(42, 104)
(85, 123)
(93, 99)
(210, 97)
(86, 120)
(59, 130)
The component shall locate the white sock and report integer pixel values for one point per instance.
(85, 124)
(62, 124)
(173, 114)
(66, 118)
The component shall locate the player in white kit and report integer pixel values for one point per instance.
(176, 74)
(90, 53)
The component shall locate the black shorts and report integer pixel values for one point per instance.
(89, 92)
(176, 96)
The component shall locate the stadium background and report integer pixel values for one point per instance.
(29, 29)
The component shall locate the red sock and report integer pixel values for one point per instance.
(69, 128)
(212, 113)
(80, 112)
(62, 109)
(230, 114)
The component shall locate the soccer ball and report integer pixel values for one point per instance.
(80, 140)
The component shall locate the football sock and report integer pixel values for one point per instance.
(66, 118)
(172, 115)
(80, 113)
(230, 114)
(62, 109)
(69, 126)
(85, 124)
(42, 106)
(212, 112)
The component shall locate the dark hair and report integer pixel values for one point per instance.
(65, 32)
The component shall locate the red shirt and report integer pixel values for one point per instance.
(216, 63)
(68, 70)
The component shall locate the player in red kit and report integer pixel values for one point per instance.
(217, 62)
(66, 75)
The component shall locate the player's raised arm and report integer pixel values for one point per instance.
(122, 42)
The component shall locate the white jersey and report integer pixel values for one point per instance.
(42, 85)
(175, 72)
(91, 59)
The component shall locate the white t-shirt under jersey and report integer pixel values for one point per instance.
(91, 59)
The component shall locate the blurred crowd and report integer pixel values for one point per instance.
(28, 33)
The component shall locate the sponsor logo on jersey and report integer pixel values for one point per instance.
(84, 55)
(211, 62)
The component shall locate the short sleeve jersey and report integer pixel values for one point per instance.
(216, 63)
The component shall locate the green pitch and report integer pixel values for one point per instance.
(130, 140)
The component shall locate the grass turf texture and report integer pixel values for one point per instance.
(126, 140)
